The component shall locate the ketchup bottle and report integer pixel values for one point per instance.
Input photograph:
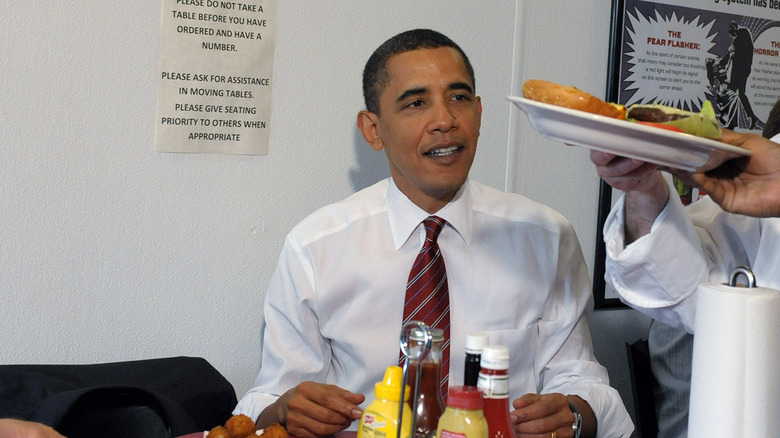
(493, 381)
(430, 403)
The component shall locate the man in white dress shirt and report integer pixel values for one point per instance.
(515, 269)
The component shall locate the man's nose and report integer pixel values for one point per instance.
(443, 118)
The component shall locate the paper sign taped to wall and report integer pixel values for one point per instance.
(214, 79)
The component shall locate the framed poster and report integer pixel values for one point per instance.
(680, 53)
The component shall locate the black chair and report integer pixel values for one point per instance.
(152, 398)
(642, 381)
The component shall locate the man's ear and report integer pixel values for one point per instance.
(368, 123)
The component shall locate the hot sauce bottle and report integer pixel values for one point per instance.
(430, 403)
(493, 381)
(475, 342)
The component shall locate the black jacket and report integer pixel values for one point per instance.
(156, 397)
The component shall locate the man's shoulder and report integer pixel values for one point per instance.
(365, 203)
(513, 206)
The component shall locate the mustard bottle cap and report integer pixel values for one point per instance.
(390, 387)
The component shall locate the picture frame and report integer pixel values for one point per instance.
(680, 53)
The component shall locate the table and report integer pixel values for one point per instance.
(347, 434)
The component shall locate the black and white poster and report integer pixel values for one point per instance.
(681, 53)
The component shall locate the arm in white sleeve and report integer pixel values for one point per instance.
(659, 273)
(293, 350)
(566, 349)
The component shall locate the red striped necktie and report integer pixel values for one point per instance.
(427, 293)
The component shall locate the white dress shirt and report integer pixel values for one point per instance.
(515, 270)
(659, 272)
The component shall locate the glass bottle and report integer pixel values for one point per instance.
(430, 403)
(463, 416)
(475, 342)
(494, 383)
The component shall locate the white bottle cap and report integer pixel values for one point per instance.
(495, 357)
(475, 342)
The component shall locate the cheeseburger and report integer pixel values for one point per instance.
(701, 124)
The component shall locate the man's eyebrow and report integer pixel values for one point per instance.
(461, 86)
(411, 92)
(422, 90)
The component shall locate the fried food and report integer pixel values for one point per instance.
(240, 426)
(218, 432)
(275, 430)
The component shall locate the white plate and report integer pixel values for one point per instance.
(646, 143)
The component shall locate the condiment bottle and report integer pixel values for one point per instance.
(380, 418)
(494, 383)
(475, 342)
(430, 403)
(463, 417)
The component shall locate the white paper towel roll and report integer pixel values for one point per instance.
(735, 384)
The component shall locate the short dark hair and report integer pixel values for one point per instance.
(375, 72)
(733, 27)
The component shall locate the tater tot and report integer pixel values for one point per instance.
(240, 426)
(275, 430)
(218, 432)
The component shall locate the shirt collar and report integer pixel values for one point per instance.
(405, 216)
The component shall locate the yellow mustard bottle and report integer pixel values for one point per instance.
(463, 417)
(380, 418)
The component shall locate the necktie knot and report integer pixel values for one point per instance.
(433, 226)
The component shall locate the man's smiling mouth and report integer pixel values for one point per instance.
(444, 151)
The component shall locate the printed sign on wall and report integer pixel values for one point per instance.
(680, 53)
(214, 78)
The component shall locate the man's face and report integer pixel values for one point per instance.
(429, 124)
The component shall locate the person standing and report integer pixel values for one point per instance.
(741, 53)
